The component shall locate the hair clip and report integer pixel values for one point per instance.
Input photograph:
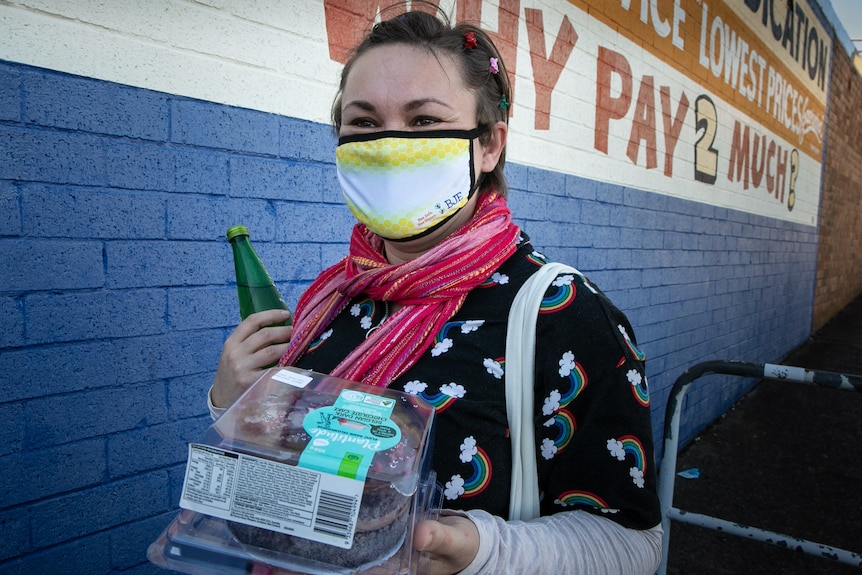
(494, 67)
(504, 104)
(470, 40)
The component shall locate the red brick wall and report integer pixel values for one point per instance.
(839, 258)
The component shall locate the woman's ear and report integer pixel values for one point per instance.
(490, 152)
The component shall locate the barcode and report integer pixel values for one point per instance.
(334, 514)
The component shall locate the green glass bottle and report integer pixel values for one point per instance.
(254, 287)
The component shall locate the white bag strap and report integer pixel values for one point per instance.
(520, 365)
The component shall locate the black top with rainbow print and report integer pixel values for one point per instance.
(592, 414)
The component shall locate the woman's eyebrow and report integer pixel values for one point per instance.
(409, 106)
(414, 104)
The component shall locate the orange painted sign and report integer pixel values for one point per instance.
(718, 101)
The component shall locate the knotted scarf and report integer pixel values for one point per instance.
(431, 289)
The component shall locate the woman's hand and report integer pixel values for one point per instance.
(253, 346)
(450, 542)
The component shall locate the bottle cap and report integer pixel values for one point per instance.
(235, 231)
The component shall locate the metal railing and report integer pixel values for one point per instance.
(667, 471)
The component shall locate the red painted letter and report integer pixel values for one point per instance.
(546, 72)
(608, 107)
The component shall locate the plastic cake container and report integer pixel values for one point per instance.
(306, 473)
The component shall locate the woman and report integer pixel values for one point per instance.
(420, 305)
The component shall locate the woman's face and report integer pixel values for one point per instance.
(400, 87)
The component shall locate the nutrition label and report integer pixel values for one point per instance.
(271, 495)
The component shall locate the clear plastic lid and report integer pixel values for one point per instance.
(331, 425)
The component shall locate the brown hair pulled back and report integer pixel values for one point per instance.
(436, 35)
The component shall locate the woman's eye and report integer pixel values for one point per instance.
(424, 121)
(362, 123)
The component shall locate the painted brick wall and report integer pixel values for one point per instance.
(117, 291)
(839, 258)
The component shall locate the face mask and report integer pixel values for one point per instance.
(404, 185)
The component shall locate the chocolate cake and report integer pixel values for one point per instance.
(273, 424)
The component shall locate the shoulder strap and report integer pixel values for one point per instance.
(520, 365)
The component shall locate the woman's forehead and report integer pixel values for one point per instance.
(404, 72)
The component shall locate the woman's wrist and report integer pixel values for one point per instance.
(215, 412)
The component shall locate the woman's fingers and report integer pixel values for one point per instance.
(254, 345)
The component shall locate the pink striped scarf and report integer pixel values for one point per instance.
(431, 289)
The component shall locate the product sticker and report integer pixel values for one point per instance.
(292, 378)
(300, 502)
(346, 435)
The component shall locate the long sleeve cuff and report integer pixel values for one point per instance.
(215, 412)
(571, 542)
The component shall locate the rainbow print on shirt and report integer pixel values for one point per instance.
(562, 297)
(630, 446)
(480, 477)
(581, 499)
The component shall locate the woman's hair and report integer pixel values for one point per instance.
(436, 35)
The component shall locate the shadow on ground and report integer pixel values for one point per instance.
(787, 458)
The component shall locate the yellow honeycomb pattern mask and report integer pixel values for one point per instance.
(403, 185)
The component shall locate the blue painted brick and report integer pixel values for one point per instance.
(696, 209)
(51, 211)
(10, 93)
(276, 179)
(95, 364)
(129, 542)
(204, 307)
(31, 265)
(631, 239)
(60, 419)
(176, 476)
(166, 356)
(546, 182)
(580, 188)
(652, 239)
(636, 218)
(10, 212)
(41, 156)
(545, 235)
(332, 253)
(187, 396)
(12, 431)
(82, 557)
(331, 189)
(106, 506)
(605, 237)
(201, 218)
(71, 102)
(314, 222)
(40, 473)
(303, 140)
(215, 126)
(15, 526)
(617, 280)
(559, 209)
(289, 262)
(565, 255)
(155, 446)
(517, 176)
(12, 320)
(95, 315)
(156, 264)
(201, 172)
(608, 259)
(611, 194)
(533, 206)
(140, 166)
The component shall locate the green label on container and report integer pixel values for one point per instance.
(346, 435)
